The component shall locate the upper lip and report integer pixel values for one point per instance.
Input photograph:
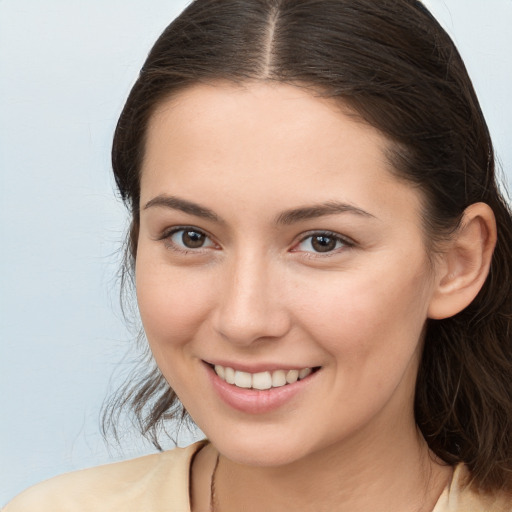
(258, 367)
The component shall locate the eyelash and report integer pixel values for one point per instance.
(170, 244)
(338, 239)
(346, 243)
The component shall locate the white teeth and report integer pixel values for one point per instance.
(243, 379)
(304, 373)
(261, 380)
(229, 375)
(293, 376)
(219, 370)
(278, 378)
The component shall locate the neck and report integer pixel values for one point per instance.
(400, 475)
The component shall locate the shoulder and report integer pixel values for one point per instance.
(156, 482)
(460, 497)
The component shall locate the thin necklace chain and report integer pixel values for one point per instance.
(213, 496)
(212, 485)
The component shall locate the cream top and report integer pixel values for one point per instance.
(160, 483)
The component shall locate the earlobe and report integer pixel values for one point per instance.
(465, 264)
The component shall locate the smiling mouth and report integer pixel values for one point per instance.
(261, 380)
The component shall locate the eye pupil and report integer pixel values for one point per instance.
(322, 243)
(193, 239)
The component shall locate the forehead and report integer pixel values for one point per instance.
(264, 143)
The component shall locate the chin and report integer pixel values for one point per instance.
(260, 450)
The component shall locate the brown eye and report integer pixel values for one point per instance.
(323, 243)
(189, 238)
(193, 239)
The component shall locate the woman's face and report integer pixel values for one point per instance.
(275, 241)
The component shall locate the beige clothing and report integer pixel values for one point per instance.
(160, 483)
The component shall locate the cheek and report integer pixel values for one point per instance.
(364, 319)
(172, 303)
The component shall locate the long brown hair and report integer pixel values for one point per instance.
(392, 64)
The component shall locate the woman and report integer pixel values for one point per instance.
(322, 266)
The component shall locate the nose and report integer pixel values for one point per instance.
(250, 303)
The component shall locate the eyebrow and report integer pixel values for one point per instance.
(287, 217)
(319, 210)
(175, 203)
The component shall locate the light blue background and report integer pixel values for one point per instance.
(66, 67)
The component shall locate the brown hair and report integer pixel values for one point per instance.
(391, 63)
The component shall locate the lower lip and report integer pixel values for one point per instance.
(254, 401)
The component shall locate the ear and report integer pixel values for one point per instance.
(463, 267)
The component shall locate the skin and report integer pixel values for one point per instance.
(257, 293)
